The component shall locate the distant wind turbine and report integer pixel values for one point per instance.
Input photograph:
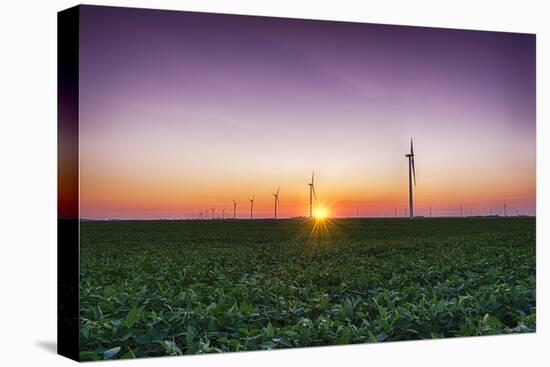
(276, 196)
(251, 205)
(235, 209)
(504, 209)
(213, 210)
(412, 173)
(223, 213)
(311, 194)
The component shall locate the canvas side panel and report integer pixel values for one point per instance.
(68, 183)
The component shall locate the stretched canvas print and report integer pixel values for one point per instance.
(236, 183)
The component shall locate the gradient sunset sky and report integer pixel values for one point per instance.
(183, 111)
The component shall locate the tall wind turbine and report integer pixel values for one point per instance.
(212, 210)
(311, 194)
(276, 196)
(251, 204)
(235, 209)
(223, 213)
(412, 174)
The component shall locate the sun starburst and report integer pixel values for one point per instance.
(320, 213)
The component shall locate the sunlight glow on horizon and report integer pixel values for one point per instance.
(321, 213)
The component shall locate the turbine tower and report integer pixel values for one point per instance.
(311, 194)
(235, 209)
(251, 204)
(223, 213)
(276, 196)
(412, 174)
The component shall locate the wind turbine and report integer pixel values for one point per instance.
(212, 210)
(235, 209)
(276, 196)
(251, 204)
(311, 194)
(223, 213)
(412, 173)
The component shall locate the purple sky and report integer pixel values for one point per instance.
(173, 103)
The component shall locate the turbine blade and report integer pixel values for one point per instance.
(278, 188)
(313, 189)
(412, 152)
(312, 177)
(414, 171)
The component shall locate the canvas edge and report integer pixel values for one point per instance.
(68, 264)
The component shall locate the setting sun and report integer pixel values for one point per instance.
(320, 213)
